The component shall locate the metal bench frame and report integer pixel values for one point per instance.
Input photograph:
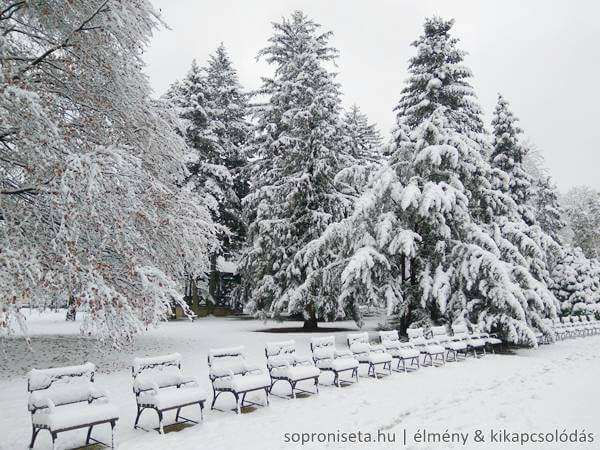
(372, 369)
(413, 359)
(293, 383)
(336, 373)
(236, 394)
(36, 428)
(160, 411)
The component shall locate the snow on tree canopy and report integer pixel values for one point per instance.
(90, 208)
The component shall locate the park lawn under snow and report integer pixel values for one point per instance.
(551, 388)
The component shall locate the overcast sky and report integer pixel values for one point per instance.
(542, 55)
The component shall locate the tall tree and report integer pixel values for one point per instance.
(298, 147)
(90, 169)
(214, 110)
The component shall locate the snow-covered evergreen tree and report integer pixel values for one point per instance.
(214, 110)
(576, 282)
(508, 155)
(90, 169)
(299, 151)
(363, 137)
(582, 206)
(547, 208)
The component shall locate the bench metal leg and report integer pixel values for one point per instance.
(160, 422)
(177, 414)
(137, 417)
(53, 441)
(267, 394)
(89, 434)
(112, 434)
(201, 404)
(317, 384)
(34, 433)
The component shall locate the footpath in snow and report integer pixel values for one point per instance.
(551, 390)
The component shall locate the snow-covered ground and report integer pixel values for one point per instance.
(552, 389)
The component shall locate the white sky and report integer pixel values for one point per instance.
(541, 54)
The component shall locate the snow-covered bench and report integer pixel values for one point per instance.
(490, 339)
(366, 353)
(454, 345)
(594, 323)
(586, 328)
(473, 342)
(230, 372)
(402, 351)
(428, 347)
(64, 399)
(327, 357)
(159, 384)
(285, 365)
(570, 326)
(560, 330)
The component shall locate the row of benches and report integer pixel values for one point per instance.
(570, 326)
(160, 385)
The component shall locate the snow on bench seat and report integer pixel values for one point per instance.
(73, 417)
(166, 399)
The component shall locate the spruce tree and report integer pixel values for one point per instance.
(508, 155)
(547, 208)
(299, 151)
(214, 110)
(363, 138)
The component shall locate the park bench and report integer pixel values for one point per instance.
(65, 398)
(491, 340)
(229, 371)
(428, 347)
(327, 357)
(473, 342)
(366, 353)
(595, 323)
(285, 364)
(402, 351)
(453, 345)
(159, 384)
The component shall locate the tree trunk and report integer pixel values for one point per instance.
(312, 323)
